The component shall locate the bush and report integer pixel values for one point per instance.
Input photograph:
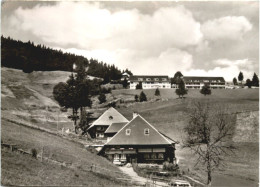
(139, 86)
(105, 90)
(34, 153)
(157, 92)
(136, 98)
(170, 166)
(102, 98)
(142, 97)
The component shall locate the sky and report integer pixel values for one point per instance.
(149, 38)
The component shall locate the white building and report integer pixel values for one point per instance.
(150, 81)
(199, 82)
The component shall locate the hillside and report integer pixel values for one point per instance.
(27, 98)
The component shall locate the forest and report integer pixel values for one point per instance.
(30, 57)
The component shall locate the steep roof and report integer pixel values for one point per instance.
(161, 78)
(110, 116)
(137, 127)
(201, 79)
(115, 127)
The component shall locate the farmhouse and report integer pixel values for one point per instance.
(110, 116)
(199, 82)
(138, 141)
(149, 81)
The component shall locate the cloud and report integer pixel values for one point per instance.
(166, 63)
(229, 27)
(229, 69)
(88, 25)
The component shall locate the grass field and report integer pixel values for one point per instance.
(23, 170)
(169, 115)
(27, 98)
(55, 148)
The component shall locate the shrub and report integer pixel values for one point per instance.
(34, 153)
(102, 98)
(136, 98)
(139, 86)
(157, 92)
(142, 97)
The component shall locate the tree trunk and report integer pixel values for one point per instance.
(208, 166)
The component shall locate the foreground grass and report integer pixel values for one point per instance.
(23, 170)
(55, 148)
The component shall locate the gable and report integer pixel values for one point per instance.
(108, 117)
(133, 133)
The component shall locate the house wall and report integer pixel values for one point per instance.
(200, 85)
(141, 154)
(149, 85)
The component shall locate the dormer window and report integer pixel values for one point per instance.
(146, 132)
(110, 117)
(128, 132)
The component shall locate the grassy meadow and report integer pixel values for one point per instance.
(27, 98)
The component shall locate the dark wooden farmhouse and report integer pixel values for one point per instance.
(98, 127)
(138, 141)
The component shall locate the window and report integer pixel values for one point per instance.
(116, 157)
(153, 156)
(156, 79)
(146, 155)
(146, 131)
(127, 132)
(110, 117)
(164, 79)
(160, 156)
(140, 79)
(148, 79)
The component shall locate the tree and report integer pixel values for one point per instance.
(157, 92)
(209, 135)
(125, 83)
(142, 97)
(248, 83)
(181, 91)
(234, 81)
(102, 98)
(240, 77)
(177, 77)
(74, 94)
(205, 90)
(136, 98)
(255, 80)
(139, 86)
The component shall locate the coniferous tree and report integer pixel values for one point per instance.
(157, 92)
(240, 77)
(181, 90)
(255, 80)
(142, 97)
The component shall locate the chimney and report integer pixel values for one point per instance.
(135, 115)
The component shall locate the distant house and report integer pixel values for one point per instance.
(138, 141)
(110, 116)
(150, 81)
(125, 76)
(199, 82)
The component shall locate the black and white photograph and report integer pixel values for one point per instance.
(130, 93)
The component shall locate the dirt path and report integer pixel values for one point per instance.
(140, 180)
